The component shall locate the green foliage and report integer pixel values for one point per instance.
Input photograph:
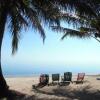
(21, 14)
(84, 15)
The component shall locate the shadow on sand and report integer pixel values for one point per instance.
(82, 93)
(77, 94)
(15, 95)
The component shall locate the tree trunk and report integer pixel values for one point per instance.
(3, 84)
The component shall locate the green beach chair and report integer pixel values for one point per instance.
(67, 77)
(55, 78)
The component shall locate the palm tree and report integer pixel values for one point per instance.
(20, 14)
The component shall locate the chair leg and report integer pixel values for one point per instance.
(52, 83)
(72, 82)
(48, 84)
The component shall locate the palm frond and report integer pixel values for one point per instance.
(35, 22)
(46, 11)
(70, 32)
(15, 29)
(83, 7)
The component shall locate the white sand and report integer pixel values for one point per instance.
(24, 85)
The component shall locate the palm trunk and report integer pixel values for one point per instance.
(3, 84)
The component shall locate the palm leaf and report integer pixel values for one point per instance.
(70, 32)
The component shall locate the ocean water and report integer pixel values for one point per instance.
(37, 70)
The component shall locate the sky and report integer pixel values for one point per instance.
(55, 55)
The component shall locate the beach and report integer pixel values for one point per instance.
(89, 90)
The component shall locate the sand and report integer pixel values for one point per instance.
(89, 90)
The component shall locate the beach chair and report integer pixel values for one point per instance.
(80, 77)
(67, 77)
(44, 79)
(55, 78)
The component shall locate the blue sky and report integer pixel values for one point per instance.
(74, 53)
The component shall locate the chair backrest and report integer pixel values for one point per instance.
(80, 76)
(67, 76)
(44, 78)
(55, 77)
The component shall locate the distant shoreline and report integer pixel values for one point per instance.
(11, 76)
(37, 75)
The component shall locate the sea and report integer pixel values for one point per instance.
(26, 71)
